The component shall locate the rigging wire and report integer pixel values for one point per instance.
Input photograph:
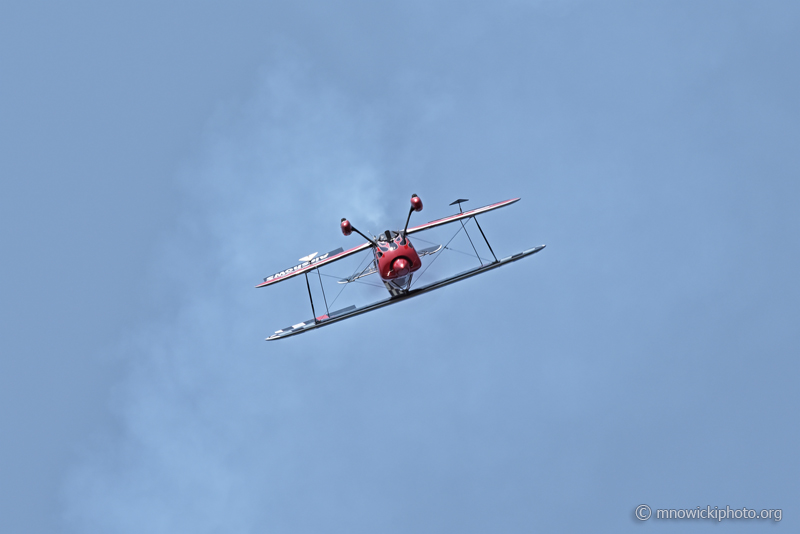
(470, 241)
(417, 238)
(434, 259)
(354, 272)
(446, 247)
(350, 282)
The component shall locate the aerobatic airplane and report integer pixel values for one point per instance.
(395, 260)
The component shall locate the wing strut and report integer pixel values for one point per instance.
(459, 201)
(470, 240)
(484, 238)
(311, 299)
(327, 311)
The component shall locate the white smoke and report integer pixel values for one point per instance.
(196, 406)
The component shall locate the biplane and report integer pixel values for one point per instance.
(394, 259)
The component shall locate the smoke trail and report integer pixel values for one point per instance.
(202, 401)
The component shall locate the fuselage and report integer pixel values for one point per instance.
(396, 258)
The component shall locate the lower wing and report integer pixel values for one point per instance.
(352, 311)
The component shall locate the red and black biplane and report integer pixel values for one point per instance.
(395, 260)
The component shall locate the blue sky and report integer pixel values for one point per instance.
(158, 161)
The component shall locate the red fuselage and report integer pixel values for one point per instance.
(396, 258)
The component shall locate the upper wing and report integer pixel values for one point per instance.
(313, 263)
(459, 216)
(337, 254)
